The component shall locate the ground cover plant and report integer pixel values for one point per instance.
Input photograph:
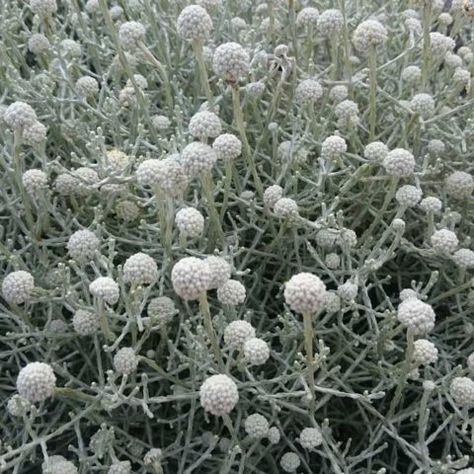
(236, 236)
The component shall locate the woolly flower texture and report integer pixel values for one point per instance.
(305, 293)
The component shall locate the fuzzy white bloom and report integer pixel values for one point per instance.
(19, 115)
(58, 465)
(127, 210)
(407, 293)
(376, 151)
(399, 163)
(307, 17)
(459, 185)
(125, 361)
(87, 178)
(82, 245)
(466, 54)
(416, 316)
(423, 104)
(290, 462)
(464, 258)
(140, 269)
(231, 293)
(256, 351)
(92, 6)
(310, 438)
(330, 22)
(338, 93)
(36, 382)
(347, 113)
(117, 159)
(347, 291)
(272, 194)
(444, 241)
(237, 333)
(440, 44)
(191, 278)
(17, 287)
(425, 352)
(290, 151)
(431, 204)
(190, 222)
(198, 157)
(66, 184)
(369, 33)
(219, 395)
(220, 270)
(172, 178)
(332, 261)
(115, 12)
(106, 289)
(205, 125)
(305, 293)
(34, 181)
(85, 323)
(131, 34)
(34, 134)
(70, 48)
(227, 147)
(194, 23)
(327, 238)
(274, 435)
(332, 302)
(43, 8)
(308, 91)
(38, 44)
(411, 74)
(120, 467)
(87, 86)
(161, 309)
(408, 195)
(152, 456)
(333, 147)
(255, 89)
(256, 426)
(436, 147)
(18, 406)
(286, 208)
(462, 391)
(149, 172)
(462, 77)
(231, 62)
(453, 60)
(161, 122)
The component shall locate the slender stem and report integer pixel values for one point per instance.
(239, 122)
(373, 90)
(104, 323)
(215, 232)
(425, 68)
(206, 313)
(197, 47)
(227, 185)
(308, 343)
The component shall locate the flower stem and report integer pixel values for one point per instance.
(308, 343)
(204, 306)
(197, 47)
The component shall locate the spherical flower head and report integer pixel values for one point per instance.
(36, 382)
(347, 113)
(87, 178)
(310, 438)
(308, 91)
(272, 194)
(292, 152)
(70, 48)
(161, 309)
(431, 204)
(87, 86)
(333, 147)
(231, 62)
(290, 462)
(120, 467)
(407, 293)
(140, 269)
(220, 270)
(307, 17)
(18, 406)
(191, 278)
(34, 134)
(85, 323)
(35, 182)
(38, 44)
(237, 333)
(416, 316)
(172, 179)
(149, 172)
(424, 352)
(462, 391)
(256, 426)
(399, 163)
(468, 470)
(219, 395)
(161, 122)
(194, 23)
(227, 147)
(127, 210)
(58, 465)
(105, 288)
(423, 105)
(466, 54)
(116, 12)
(198, 157)
(205, 125)
(256, 351)
(273, 435)
(453, 60)
(43, 8)
(286, 208)
(369, 34)
(332, 302)
(332, 261)
(82, 245)
(131, 34)
(411, 74)
(444, 241)
(66, 184)
(464, 258)
(231, 293)
(190, 222)
(408, 196)
(460, 185)
(440, 44)
(19, 115)
(255, 89)
(338, 93)
(348, 291)
(376, 151)
(17, 287)
(330, 22)
(305, 293)
(125, 361)
(153, 455)
(462, 77)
